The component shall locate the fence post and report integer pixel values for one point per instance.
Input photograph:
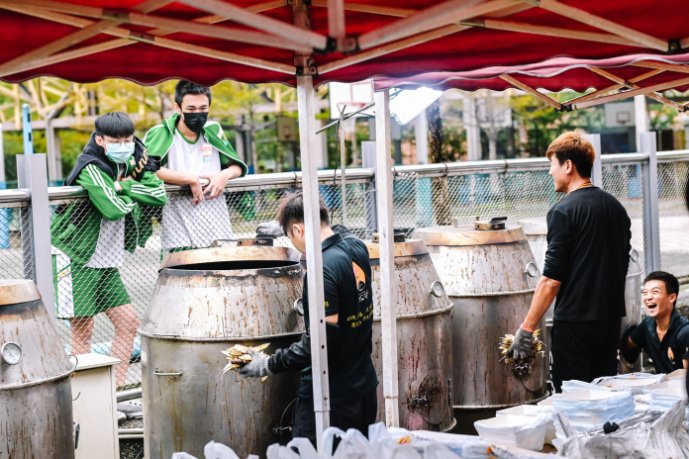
(368, 153)
(424, 193)
(651, 223)
(597, 172)
(32, 173)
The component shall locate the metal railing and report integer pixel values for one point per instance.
(423, 195)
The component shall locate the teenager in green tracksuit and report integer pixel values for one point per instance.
(194, 152)
(119, 176)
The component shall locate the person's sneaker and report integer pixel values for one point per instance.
(121, 417)
(133, 409)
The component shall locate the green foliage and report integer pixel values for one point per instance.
(71, 142)
(13, 143)
(543, 123)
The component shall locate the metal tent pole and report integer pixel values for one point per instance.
(387, 261)
(647, 142)
(314, 255)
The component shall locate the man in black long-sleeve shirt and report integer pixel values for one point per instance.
(348, 297)
(585, 268)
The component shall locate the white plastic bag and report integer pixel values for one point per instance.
(277, 451)
(574, 385)
(352, 444)
(214, 450)
(182, 455)
(661, 438)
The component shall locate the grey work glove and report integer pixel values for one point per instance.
(522, 347)
(258, 367)
(271, 228)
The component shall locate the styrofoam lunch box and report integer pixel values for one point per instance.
(545, 411)
(526, 432)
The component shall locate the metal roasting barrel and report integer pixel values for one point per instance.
(204, 302)
(424, 338)
(35, 388)
(633, 303)
(490, 276)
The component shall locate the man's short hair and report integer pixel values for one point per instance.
(115, 124)
(186, 87)
(291, 210)
(670, 281)
(574, 146)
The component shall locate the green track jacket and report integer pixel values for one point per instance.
(76, 227)
(158, 141)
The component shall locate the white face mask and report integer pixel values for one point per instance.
(119, 152)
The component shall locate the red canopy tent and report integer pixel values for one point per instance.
(614, 78)
(307, 42)
(332, 40)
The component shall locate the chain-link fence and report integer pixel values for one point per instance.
(423, 196)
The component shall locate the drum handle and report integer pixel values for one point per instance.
(168, 373)
(531, 270)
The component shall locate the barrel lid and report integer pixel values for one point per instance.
(534, 226)
(236, 253)
(13, 291)
(466, 235)
(407, 248)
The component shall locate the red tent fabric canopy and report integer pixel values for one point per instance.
(612, 78)
(149, 41)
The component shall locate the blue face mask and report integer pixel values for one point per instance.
(119, 152)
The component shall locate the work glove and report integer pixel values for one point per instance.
(258, 367)
(522, 347)
(632, 354)
(271, 228)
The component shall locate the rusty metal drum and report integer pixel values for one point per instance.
(204, 302)
(35, 389)
(490, 276)
(424, 338)
(633, 304)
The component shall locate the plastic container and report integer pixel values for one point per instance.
(636, 382)
(535, 411)
(590, 409)
(526, 432)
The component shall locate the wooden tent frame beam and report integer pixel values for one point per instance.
(372, 9)
(526, 88)
(169, 26)
(634, 92)
(336, 19)
(273, 26)
(74, 38)
(508, 8)
(520, 27)
(437, 16)
(614, 87)
(624, 83)
(663, 66)
(598, 22)
(150, 39)
(122, 42)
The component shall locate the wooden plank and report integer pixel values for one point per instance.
(526, 88)
(598, 22)
(512, 26)
(267, 24)
(431, 18)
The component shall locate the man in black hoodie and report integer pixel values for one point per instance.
(118, 176)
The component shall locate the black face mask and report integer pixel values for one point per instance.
(195, 121)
